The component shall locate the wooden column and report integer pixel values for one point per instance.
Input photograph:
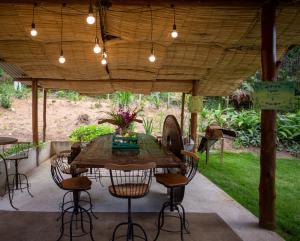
(194, 115)
(44, 114)
(267, 193)
(182, 112)
(35, 135)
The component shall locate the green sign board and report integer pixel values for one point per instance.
(274, 95)
(195, 104)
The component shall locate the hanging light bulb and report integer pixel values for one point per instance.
(90, 18)
(33, 31)
(104, 57)
(97, 48)
(103, 61)
(62, 59)
(152, 57)
(174, 33)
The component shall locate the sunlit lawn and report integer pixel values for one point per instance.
(239, 177)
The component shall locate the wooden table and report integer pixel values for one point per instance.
(7, 140)
(99, 152)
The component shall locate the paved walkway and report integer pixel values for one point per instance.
(201, 196)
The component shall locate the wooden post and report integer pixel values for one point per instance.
(267, 193)
(194, 115)
(44, 114)
(182, 113)
(35, 134)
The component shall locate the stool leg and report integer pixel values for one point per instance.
(27, 184)
(8, 187)
(181, 222)
(161, 216)
(71, 224)
(141, 228)
(91, 205)
(184, 219)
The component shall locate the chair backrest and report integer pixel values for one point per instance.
(131, 180)
(190, 164)
(56, 172)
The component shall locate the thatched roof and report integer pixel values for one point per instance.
(218, 44)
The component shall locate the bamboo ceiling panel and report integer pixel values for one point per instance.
(218, 45)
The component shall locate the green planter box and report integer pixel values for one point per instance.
(124, 143)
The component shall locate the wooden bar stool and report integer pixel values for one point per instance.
(74, 185)
(173, 181)
(130, 181)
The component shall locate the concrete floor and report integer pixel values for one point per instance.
(201, 196)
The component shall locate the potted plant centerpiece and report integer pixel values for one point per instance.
(123, 120)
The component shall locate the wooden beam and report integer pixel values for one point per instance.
(194, 116)
(267, 192)
(152, 2)
(182, 112)
(44, 114)
(28, 79)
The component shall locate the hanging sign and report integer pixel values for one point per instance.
(269, 95)
(195, 104)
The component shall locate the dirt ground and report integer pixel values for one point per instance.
(63, 116)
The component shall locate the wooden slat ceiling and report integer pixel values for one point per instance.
(218, 44)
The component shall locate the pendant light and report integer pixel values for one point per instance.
(97, 48)
(174, 33)
(33, 31)
(90, 18)
(104, 57)
(152, 57)
(61, 59)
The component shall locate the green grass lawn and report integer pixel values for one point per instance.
(239, 177)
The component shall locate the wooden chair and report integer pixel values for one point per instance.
(130, 181)
(73, 185)
(19, 180)
(173, 181)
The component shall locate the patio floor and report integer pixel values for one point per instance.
(201, 197)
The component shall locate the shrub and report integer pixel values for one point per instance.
(69, 94)
(87, 133)
(5, 101)
(148, 126)
(123, 98)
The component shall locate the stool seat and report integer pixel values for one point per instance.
(76, 183)
(129, 190)
(77, 171)
(171, 179)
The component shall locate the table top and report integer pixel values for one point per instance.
(7, 140)
(99, 152)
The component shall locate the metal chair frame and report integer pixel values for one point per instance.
(131, 181)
